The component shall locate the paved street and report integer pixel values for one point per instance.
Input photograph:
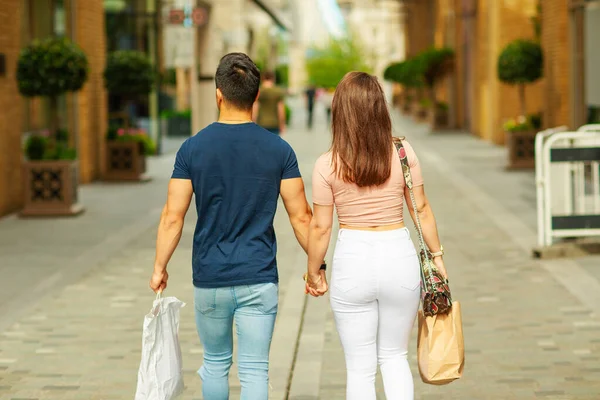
(75, 290)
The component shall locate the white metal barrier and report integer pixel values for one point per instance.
(589, 128)
(566, 206)
(540, 139)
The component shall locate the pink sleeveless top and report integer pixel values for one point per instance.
(368, 206)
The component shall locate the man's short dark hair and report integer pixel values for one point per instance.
(238, 78)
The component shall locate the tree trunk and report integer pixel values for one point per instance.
(522, 99)
(54, 120)
(432, 97)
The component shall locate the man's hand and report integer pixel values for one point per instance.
(158, 281)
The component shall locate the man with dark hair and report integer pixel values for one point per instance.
(236, 170)
(269, 110)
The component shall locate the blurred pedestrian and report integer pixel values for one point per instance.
(269, 110)
(236, 170)
(310, 94)
(327, 100)
(376, 273)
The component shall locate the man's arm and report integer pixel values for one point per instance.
(299, 212)
(170, 229)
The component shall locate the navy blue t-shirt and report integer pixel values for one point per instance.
(236, 172)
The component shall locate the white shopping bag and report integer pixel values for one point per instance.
(160, 376)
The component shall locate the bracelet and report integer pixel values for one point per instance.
(438, 253)
(305, 277)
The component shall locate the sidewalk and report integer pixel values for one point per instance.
(530, 327)
(78, 333)
(42, 255)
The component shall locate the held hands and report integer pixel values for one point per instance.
(316, 285)
(158, 281)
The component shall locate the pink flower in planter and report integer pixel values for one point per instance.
(120, 131)
(45, 133)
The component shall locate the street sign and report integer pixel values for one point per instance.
(188, 17)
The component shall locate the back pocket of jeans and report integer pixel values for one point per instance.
(267, 297)
(205, 300)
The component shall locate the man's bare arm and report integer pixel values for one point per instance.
(299, 212)
(170, 229)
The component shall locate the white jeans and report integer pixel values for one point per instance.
(375, 290)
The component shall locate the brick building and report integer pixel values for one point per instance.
(84, 114)
(478, 30)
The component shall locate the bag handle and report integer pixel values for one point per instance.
(408, 181)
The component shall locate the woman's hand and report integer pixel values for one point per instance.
(316, 285)
(439, 264)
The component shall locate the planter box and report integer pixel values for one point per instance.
(521, 149)
(179, 126)
(125, 162)
(438, 118)
(50, 188)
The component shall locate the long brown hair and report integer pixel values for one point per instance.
(362, 131)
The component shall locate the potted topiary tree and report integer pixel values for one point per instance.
(130, 75)
(435, 65)
(413, 79)
(50, 68)
(405, 74)
(521, 63)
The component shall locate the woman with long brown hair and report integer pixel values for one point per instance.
(375, 279)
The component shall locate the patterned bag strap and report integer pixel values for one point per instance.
(408, 180)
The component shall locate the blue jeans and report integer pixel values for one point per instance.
(274, 130)
(253, 308)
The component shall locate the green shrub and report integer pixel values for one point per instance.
(282, 75)
(522, 123)
(133, 135)
(129, 73)
(327, 66)
(60, 151)
(35, 147)
(434, 64)
(167, 114)
(51, 68)
(406, 73)
(521, 62)
(169, 77)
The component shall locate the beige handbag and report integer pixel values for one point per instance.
(440, 345)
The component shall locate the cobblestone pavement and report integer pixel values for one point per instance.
(526, 335)
(529, 332)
